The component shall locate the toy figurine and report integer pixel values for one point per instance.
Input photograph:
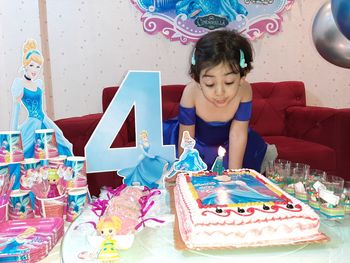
(108, 227)
(189, 161)
(53, 179)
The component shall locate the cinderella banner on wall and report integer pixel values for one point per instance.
(187, 20)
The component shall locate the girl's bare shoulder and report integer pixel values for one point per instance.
(246, 91)
(189, 94)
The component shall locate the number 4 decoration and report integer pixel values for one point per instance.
(142, 90)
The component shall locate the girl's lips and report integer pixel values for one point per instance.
(220, 101)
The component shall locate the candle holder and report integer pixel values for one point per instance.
(218, 166)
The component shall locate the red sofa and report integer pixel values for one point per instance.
(318, 136)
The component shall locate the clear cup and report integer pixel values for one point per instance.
(277, 171)
(314, 176)
(330, 198)
(345, 199)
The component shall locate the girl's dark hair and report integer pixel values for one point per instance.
(221, 46)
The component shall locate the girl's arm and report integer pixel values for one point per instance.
(187, 101)
(239, 129)
(238, 142)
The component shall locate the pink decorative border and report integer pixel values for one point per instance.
(178, 29)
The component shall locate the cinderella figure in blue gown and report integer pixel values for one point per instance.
(148, 170)
(190, 160)
(194, 8)
(224, 8)
(210, 135)
(29, 91)
(236, 192)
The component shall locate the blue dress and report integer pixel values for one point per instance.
(210, 135)
(147, 172)
(37, 119)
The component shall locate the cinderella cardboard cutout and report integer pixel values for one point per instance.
(187, 20)
(27, 92)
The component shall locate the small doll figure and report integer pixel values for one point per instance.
(190, 160)
(53, 179)
(108, 227)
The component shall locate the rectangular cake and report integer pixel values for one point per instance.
(241, 208)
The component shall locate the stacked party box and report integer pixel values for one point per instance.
(29, 240)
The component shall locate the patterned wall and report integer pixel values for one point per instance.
(93, 43)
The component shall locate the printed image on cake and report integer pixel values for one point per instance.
(241, 208)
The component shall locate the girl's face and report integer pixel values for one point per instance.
(219, 84)
(32, 70)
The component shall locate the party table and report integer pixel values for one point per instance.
(156, 243)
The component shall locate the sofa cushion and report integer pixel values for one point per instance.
(270, 101)
(316, 155)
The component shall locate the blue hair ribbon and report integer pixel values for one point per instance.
(193, 59)
(242, 62)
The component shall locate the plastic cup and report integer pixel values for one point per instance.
(76, 200)
(20, 206)
(57, 161)
(313, 177)
(51, 207)
(45, 144)
(78, 166)
(3, 212)
(11, 149)
(346, 197)
(331, 205)
(277, 171)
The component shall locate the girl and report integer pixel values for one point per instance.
(216, 106)
(29, 90)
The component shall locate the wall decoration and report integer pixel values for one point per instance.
(187, 20)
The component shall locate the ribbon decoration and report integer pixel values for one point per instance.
(100, 205)
(146, 206)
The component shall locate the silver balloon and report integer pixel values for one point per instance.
(332, 45)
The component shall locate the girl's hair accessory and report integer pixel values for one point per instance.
(31, 52)
(193, 59)
(242, 62)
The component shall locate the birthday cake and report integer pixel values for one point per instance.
(240, 208)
